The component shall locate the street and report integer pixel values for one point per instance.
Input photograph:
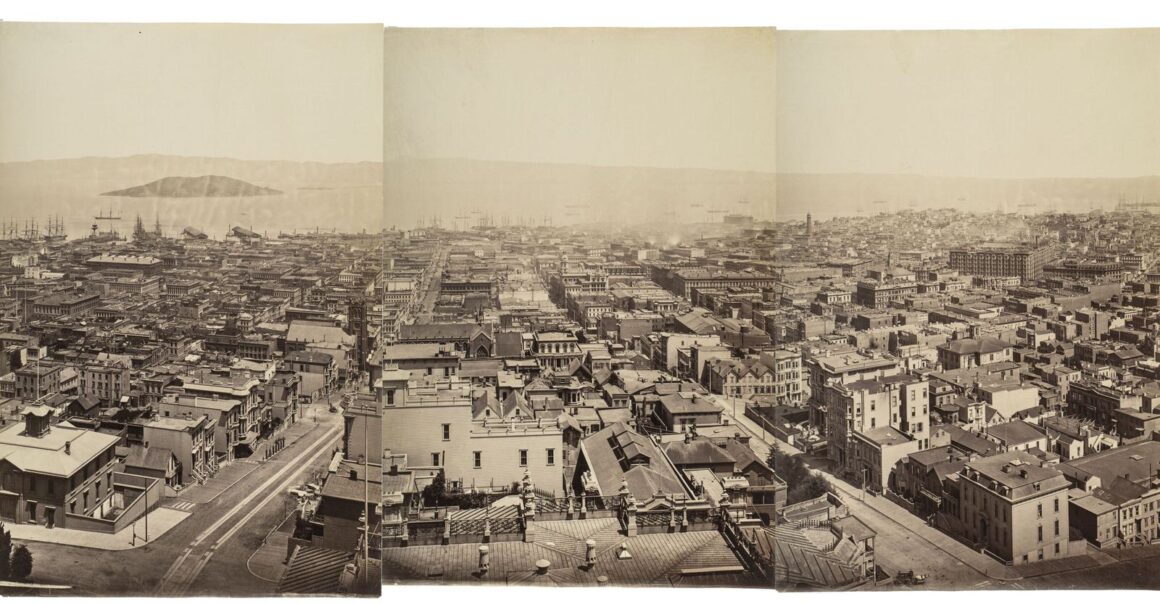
(904, 541)
(425, 304)
(207, 553)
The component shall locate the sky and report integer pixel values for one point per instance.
(262, 92)
(676, 98)
(998, 104)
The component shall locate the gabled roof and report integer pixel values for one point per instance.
(617, 453)
(152, 458)
(1015, 432)
(700, 451)
(983, 345)
(447, 332)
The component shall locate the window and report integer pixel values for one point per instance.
(1056, 528)
(390, 397)
(1039, 510)
(551, 457)
(434, 459)
(478, 459)
(523, 458)
(51, 486)
(446, 431)
(1057, 506)
(1057, 548)
(1041, 533)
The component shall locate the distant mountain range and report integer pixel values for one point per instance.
(346, 196)
(195, 186)
(417, 189)
(826, 195)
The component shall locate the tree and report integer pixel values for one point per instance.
(21, 563)
(774, 453)
(5, 552)
(436, 492)
(811, 487)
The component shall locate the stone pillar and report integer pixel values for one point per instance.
(529, 512)
(487, 528)
(630, 510)
(724, 504)
(672, 520)
(583, 506)
(684, 516)
(590, 553)
(568, 507)
(484, 560)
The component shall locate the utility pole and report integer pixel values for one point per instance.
(366, 492)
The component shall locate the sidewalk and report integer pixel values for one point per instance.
(160, 521)
(893, 512)
(917, 526)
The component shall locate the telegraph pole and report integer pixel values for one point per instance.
(366, 492)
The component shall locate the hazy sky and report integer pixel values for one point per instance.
(308, 93)
(986, 103)
(651, 98)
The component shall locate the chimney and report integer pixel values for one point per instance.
(353, 474)
(68, 447)
(484, 559)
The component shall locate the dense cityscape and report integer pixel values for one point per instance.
(187, 415)
(912, 399)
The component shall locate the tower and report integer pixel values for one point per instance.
(357, 318)
(809, 226)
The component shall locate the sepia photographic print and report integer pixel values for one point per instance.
(190, 231)
(965, 275)
(376, 311)
(558, 201)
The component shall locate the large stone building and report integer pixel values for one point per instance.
(1000, 259)
(480, 443)
(1015, 505)
(871, 424)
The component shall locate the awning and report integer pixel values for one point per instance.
(931, 496)
(248, 438)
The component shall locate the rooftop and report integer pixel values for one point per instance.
(656, 559)
(46, 454)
